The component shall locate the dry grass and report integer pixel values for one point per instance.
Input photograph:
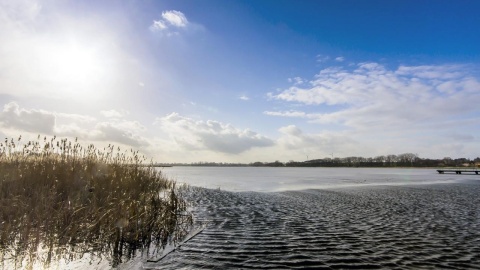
(59, 200)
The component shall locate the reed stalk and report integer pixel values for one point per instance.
(60, 200)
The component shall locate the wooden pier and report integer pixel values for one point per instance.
(459, 171)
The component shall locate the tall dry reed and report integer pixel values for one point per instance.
(59, 200)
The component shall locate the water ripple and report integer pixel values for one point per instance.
(431, 226)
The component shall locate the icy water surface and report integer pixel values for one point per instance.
(364, 227)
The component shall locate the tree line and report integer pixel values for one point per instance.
(401, 160)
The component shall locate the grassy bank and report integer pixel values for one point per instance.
(59, 200)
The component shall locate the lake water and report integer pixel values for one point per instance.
(328, 218)
(268, 179)
(325, 218)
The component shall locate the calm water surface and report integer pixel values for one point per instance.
(267, 179)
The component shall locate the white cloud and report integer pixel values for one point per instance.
(82, 126)
(15, 117)
(175, 18)
(372, 94)
(125, 132)
(444, 72)
(340, 59)
(171, 21)
(210, 135)
(290, 113)
(244, 97)
(158, 26)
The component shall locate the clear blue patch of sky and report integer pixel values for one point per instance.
(280, 39)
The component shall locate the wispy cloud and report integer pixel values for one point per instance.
(210, 135)
(340, 59)
(322, 58)
(158, 26)
(244, 97)
(296, 80)
(290, 113)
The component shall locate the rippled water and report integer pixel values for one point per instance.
(399, 227)
(330, 219)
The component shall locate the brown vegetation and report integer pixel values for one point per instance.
(59, 200)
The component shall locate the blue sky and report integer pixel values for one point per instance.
(245, 81)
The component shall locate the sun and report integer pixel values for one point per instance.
(74, 64)
(73, 68)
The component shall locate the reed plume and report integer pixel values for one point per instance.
(60, 200)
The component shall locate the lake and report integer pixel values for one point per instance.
(328, 218)
(324, 218)
(274, 179)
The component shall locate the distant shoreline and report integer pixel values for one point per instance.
(357, 167)
(406, 160)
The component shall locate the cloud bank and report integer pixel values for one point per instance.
(15, 117)
(371, 96)
(18, 119)
(210, 135)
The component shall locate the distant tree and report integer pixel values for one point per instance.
(407, 159)
(391, 160)
(257, 164)
(380, 159)
(447, 161)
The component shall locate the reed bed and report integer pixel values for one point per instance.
(60, 201)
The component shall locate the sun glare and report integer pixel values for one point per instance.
(74, 68)
(74, 64)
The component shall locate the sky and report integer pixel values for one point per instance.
(244, 81)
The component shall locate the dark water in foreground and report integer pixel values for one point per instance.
(369, 227)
